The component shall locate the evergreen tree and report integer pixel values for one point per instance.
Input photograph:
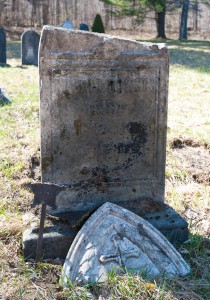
(140, 8)
(98, 25)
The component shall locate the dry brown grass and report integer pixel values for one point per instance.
(187, 184)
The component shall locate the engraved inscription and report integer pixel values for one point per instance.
(113, 128)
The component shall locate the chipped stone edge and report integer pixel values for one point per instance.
(149, 45)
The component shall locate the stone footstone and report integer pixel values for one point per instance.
(115, 238)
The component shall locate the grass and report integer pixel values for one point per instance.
(187, 183)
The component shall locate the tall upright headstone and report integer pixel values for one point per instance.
(29, 47)
(103, 110)
(3, 57)
(103, 119)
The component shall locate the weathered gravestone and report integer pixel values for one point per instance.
(84, 27)
(103, 110)
(67, 24)
(3, 57)
(103, 120)
(29, 47)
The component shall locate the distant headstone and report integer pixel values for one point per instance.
(3, 57)
(3, 99)
(103, 119)
(29, 47)
(115, 238)
(84, 27)
(67, 24)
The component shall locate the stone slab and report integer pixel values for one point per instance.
(57, 239)
(115, 238)
(103, 112)
(57, 243)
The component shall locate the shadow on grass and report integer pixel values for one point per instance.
(190, 54)
(193, 59)
(14, 50)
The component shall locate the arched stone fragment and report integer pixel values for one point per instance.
(114, 237)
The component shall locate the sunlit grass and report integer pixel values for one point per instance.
(188, 118)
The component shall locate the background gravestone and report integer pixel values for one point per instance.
(67, 24)
(29, 47)
(84, 27)
(3, 58)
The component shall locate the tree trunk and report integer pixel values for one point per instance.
(184, 15)
(160, 23)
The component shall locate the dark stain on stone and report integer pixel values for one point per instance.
(78, 126)
(100, 179)
(138, 132)
(111, 85)
(64, 132)
(66, 94)
(138, 139)
(47, 161)
(54, 72)
(84, 170)
(120, 86)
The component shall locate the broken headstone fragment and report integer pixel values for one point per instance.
(115, 238)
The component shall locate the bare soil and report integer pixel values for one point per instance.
(194, 158)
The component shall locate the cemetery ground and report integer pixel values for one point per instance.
(187, 183)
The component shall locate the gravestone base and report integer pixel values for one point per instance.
(59, 235)
(57, 239)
